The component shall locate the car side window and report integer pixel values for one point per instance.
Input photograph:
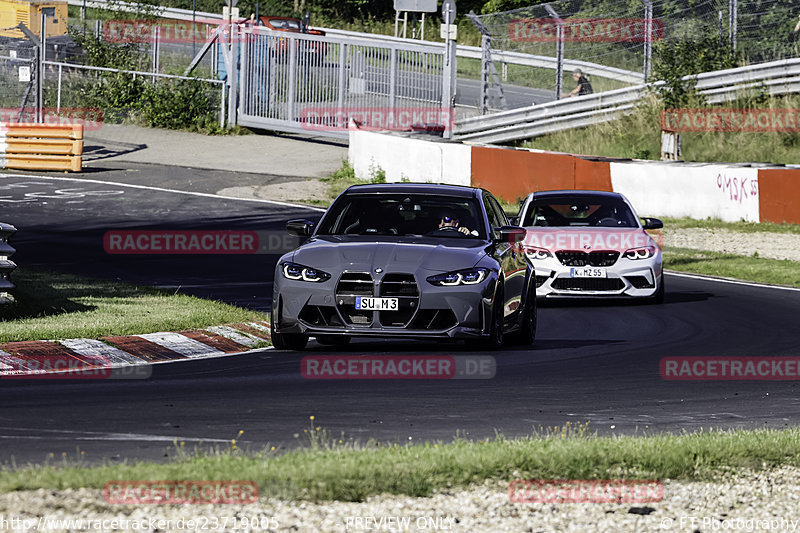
(496, 215)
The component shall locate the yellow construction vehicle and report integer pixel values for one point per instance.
(29, 12)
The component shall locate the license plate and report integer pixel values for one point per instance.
(587, 272)
(376, 304)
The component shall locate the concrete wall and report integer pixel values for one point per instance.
(725, 191)
(411, 159)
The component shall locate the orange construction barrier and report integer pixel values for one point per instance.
(30, 146)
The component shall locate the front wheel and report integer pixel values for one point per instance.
(495, 339)
(286, 341)
(527, 327)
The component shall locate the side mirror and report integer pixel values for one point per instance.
(509, 234)
(300, 227)
(652, 223)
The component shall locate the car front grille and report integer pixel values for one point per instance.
(588, 284)
(404, 288)
(350, 285)
(393, 285)
(540, 280)
(579, 259)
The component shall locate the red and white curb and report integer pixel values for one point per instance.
(86, 355)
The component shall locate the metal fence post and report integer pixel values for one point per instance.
(392, 78)
(648, 38)
(40, 57)
(733, 21)
(58, 96)
(233, 74)
(342, 81)
(485, 58)
(291, 95)
(449, 68)
(156, 46)
(559, 49)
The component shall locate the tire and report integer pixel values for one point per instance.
(286, 341)
(333, 340)
(658, 297)
(496, 337)
(527, 327)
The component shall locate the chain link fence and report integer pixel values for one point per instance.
(614, 33)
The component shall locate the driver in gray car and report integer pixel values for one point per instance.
(450, 220)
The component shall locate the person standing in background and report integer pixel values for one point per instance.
(584, 87)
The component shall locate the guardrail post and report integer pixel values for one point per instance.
(559, 49)
(6, 265)
(58, 95)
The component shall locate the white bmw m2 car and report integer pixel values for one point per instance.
(591, 244)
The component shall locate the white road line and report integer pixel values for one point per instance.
(96, 348)
(96, 435)
(730, 280)
(237, 336)
(181, 344)
(160, 189)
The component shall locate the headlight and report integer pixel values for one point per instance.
(471, 276)
(645, 252)
(299, 272)
(537, 253)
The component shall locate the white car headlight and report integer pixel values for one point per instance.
(471, 276)
(297, 272)
(645, 252)
(537, 253)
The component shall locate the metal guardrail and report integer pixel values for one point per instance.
(6, 264)
(469, 52)
(776, 77)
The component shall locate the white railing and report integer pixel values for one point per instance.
(469, 52)
(776, 77)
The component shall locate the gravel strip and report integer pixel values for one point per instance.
(747, 501)
(771, 245)
(289, 191)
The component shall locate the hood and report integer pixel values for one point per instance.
(588, 238)
(393, 254)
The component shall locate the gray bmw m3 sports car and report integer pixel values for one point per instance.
(406, 260)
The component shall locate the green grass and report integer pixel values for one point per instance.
(327, 470)
(60, 306)
(639, 136)
(743, 227)
(774, 271)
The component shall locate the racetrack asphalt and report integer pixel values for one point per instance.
(596, 363)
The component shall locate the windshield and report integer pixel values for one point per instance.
(579, 211)
(285, 24)
(404, 214)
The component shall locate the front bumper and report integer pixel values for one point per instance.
(431, 312)
(625, 279)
